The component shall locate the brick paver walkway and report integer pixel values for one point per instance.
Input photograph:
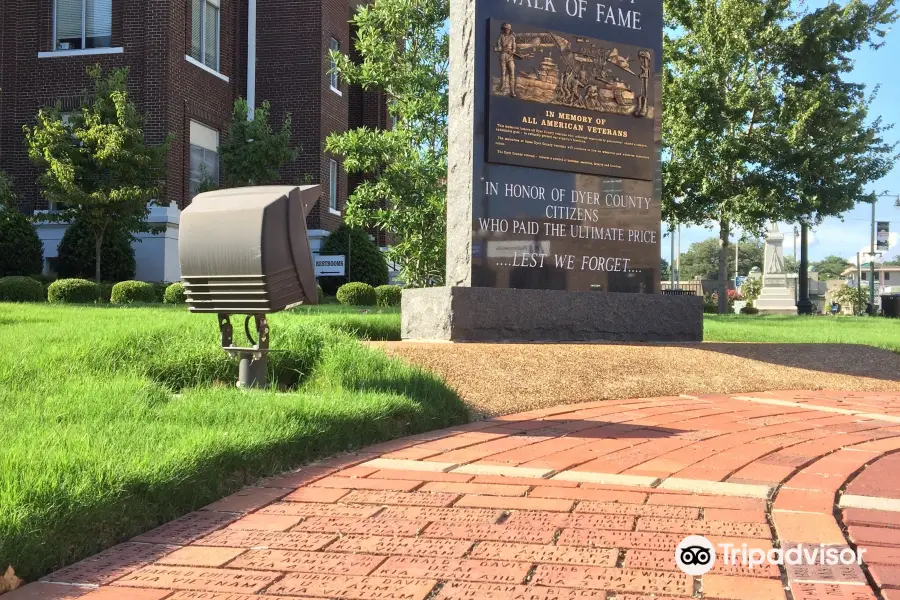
(578, 502)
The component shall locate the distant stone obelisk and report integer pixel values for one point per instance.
(776, 297)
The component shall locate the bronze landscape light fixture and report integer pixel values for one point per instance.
(245, 251)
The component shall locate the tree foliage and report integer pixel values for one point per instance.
(365, 262)
(77, 259)
(831, 267)
(21, 250)
(855, 297)
(98, 168)
(253, 153)
(759, 123)
(403, 46)
(702, 259)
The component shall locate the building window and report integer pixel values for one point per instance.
(334, 81)
(865, 276)
(82, 24)
(333, 185)
(204, 158)
(205, 32)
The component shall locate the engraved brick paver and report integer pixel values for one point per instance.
(567, 503)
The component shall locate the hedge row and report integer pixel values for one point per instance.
(358, 293)
(83, 291)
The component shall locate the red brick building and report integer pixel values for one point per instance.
(189, 60)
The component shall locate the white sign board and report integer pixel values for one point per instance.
(329, 265)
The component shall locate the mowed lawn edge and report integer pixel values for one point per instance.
(116, 420)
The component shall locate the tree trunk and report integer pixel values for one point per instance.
(98, 244)
(724, 231)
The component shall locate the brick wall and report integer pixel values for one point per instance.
(293, 39)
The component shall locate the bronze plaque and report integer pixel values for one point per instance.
(570, 103)
(567, 140)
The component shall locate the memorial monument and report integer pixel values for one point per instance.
(554, 179)
(776, 298)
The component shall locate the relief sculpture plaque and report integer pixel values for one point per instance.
(569, 103)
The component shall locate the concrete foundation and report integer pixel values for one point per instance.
(465, 314)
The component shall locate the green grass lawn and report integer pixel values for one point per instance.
(879, 332)
(115, 420)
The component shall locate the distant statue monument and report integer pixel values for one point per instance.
(776, 297)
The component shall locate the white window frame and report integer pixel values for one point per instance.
(204, 130)
(333, 174)
(78, 51)
(200, 63)
(334, 80)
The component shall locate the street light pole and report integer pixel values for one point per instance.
(804, 304)
(872, 265)
(672, 256)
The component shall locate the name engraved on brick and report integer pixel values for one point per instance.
(187, 578)
(537, 553)
(665, 561)
(638, 510)
(626, 580)
(247, 538)
(402, 546)
(825, 573)
(353, 588)
(349, 525)
(498, 533)
(452, 515)
(307, 562)
(458, 590)
(111, 564)
(309, 509)
(619, 539)
(577, 521)
(455, 569)
(218, 596)
(693, 527)
(399, 498)
(825, 591)
(188, 528)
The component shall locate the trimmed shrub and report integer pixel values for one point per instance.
(159, 290)
(76, 254)
(749, 310)
(366, 263)
(388, 295)
(73, 291)
(175, 294)
(21, 289)
(356, 293)
(21, 250)
(106, 292)
(320, 294)
(130, 292)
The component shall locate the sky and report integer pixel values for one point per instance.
(846, 238)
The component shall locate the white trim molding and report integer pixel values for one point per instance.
(84, 52)
(335, 90)
(199, 64)
(334, 212)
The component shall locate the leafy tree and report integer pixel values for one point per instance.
(831, 267)
(98, 168)
(78, 261)
(21, 250)
(751, 289)
(857, 298)
(791, 265)
(404, 53)
(253, 153)
(753, 91)
(665, 275)
(702, 259)
(366, 263)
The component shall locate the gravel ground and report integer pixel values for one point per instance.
(497, 379)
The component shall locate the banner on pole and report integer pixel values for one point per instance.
(883, 236)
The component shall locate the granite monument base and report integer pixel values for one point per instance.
(776, 297)
(466, 314)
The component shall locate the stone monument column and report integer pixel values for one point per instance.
(554, 181)
(776, 297)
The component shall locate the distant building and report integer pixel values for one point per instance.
(188, 62)
(887, 278)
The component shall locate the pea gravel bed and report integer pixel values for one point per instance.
(498, 379)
